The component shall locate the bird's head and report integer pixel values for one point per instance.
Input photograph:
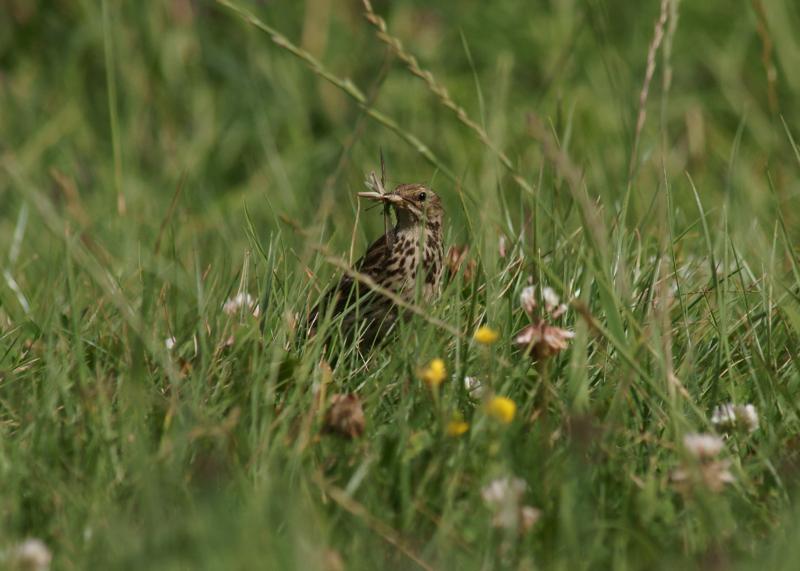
(413, 203)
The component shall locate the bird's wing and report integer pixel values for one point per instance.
(370, 263)
(376, 256)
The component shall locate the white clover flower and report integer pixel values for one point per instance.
(724, 416)
(503, 496)
(703, 446)
(502, 491)
(241, 300)
(170, 343)
(560, 310)
(551, 299)
(748, 416)
(728, 416)
(474, 387)
(527, 299)
(32, 555)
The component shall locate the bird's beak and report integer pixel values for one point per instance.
(389, 197)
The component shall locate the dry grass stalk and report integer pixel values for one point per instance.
(766, 54)
(345, 85)
(655, 43)
(441, 92)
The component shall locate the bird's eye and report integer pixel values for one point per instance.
(421, 197)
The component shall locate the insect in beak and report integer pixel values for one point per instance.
(390, 197)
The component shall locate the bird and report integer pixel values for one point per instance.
(408, 255)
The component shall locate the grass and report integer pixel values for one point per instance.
(641, 160)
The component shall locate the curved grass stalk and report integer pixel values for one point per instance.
(345, 85)
(441, 92)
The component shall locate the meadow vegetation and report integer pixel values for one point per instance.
(178, 187)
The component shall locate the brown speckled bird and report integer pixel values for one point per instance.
(409, 253)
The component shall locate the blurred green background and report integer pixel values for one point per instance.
(202, 95)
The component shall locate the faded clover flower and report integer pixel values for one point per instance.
(345, 416)
(542, 340)
(457, 256)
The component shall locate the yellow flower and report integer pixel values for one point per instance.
(457, 427)
(502, 409)
(435, 373)
(486, 335)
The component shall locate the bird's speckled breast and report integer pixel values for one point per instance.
(412, 253)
